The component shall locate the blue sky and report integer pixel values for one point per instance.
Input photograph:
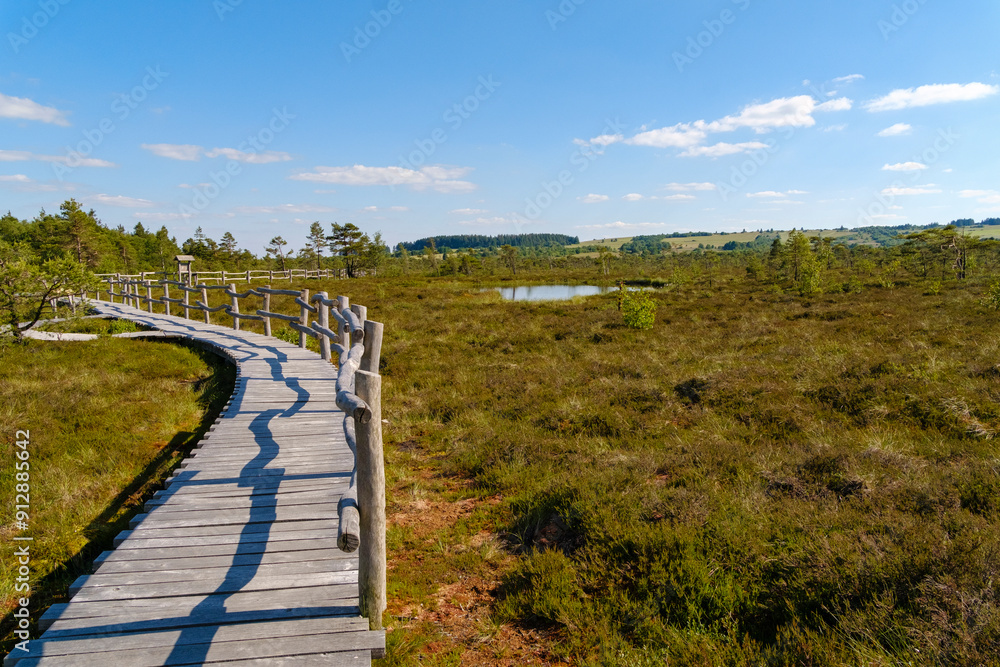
(416, 118)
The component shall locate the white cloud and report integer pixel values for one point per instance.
(940, 93)
(469, 211)
(437, 178)
(888, 216)
(119, 200)
(282, 208)
(679, 136)
(594, 199)
(633, 197)
(677, 197)
(849, 78)
(840, 104)
(896, 130)
(840, 127)
(265, 157)
(187, 152)
(689, 187)
(23, 156)
(777, 197)
(24, 109)
(783, 112)
(722, 148)
(162, 217)
(982, 196)
(376, 209)
(607, 139)
(15, 178)
(895, 191)
(904, 166)
(193, 153)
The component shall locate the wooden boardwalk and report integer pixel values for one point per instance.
(235, 562)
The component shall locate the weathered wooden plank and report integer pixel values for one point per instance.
(216, 585)
(206, 574)
(183, 610)
(151, 557)
(208, 644)
(212, 557)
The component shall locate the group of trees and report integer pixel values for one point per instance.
(477, 241)
(353, 249)
(56, 254)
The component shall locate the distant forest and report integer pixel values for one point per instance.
(469, 241)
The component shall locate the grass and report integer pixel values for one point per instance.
(108, 419)
(760, 479)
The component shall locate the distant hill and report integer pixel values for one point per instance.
(467, 241)
(875, 236)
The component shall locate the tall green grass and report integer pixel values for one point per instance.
(108, 419)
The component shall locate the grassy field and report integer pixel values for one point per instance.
(761, 479)
(718, 240)
(107, 421)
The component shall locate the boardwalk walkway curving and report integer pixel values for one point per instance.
(235, 562)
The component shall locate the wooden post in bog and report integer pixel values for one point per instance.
(234, 306)
(149, 296)
(204, 300)
(166, 295)
(267, 309)
(371, 502)
(324, 321)
(304, 318)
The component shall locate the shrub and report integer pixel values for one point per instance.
(992, 298)
(638, 310)
(121, 326)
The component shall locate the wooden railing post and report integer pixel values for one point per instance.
(324, 321)
(267, 308)
(204, 300)
(373, 346)
(166, 295)
(304, 318)
(149, 295)
(371, 502)
(343, 304)
(234, 306)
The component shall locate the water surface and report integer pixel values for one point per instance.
(551, 292)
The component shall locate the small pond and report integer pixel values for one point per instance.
(551, 292)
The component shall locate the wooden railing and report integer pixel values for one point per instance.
(226, 277)
(343, 330)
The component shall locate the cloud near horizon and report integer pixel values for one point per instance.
(438, 178)
(72, 161)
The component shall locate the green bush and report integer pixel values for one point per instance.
(992, 298)
(638, 310)
(122, 326)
